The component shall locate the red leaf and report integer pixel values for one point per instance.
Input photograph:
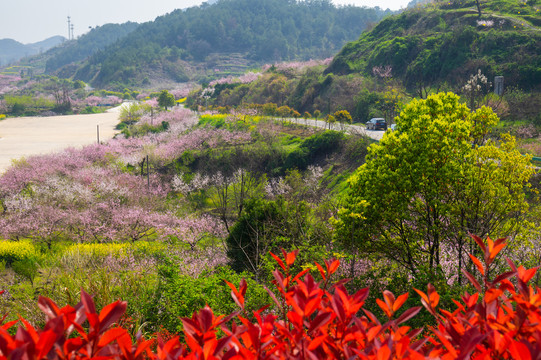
(472, 280)
(422, 295)
(408, 314)
(478, 264)
(520, 351)
(320, 320)
(290, 257)
(143, 346)
(237, 297)
(88, 303)
(479, 242)
(400, 301)
(526, 275)
(33, 333)
(321, 271)
(299, 275)
(492, 294)
(333, 266)
(383, 306)
(110, 336)
(501, 277)
(9, 324)
(273, 297)
(496, 251)
(111, 313)
(48, 307)
(278, 260)
(389, 298)
(45, 343)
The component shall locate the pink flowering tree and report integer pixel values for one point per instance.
(191, 230)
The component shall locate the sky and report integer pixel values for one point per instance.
(29, 21)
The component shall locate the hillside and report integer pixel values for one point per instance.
(185, 44)
(11, 50)
(444, 43)
(423, 50)
(86, 45)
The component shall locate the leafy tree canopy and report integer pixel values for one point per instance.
(428, 185)
(166, 99)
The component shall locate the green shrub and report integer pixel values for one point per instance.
(297, 159)
(323, 143)
(180, 295)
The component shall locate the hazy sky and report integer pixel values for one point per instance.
(29, 21)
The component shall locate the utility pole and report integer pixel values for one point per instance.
(72, 37)
(69, 27)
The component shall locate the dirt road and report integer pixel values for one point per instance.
(26, 136)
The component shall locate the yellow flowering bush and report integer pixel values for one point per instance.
(11, 251)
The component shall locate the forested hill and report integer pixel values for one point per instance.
(254, 31)
(86, 45)
(445, 42)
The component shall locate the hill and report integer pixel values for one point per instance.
(423, 50)
(445, 42)
(88, 44)
(194, 43)
(11, 50)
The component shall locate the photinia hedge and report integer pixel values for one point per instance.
(311, 320)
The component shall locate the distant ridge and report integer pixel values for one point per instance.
(12, 51)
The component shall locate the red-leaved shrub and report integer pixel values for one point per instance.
(312, 320)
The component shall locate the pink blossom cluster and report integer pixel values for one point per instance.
(181, 92)
(297, 65)
(191, 230)
(153, 102)
(197, 183)
(98, 204)
(185, 118)
(247, 78)
(93, 100)
(86, 195)
(284, 186)
(195, 262)
(8, 83)
(199, 139)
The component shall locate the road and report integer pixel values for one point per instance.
(26, 136)
(352, 129)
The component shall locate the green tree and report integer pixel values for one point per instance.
(343, 117)
(284, 111)
(426, 187)
(330, 119)
(133, 112)
(166, 99)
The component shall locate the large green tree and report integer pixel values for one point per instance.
(425, 187)
(166, 99)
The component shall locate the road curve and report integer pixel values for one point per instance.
(26, 136)
(352, 129)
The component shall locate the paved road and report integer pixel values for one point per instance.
(352, 129)
(25, 136)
